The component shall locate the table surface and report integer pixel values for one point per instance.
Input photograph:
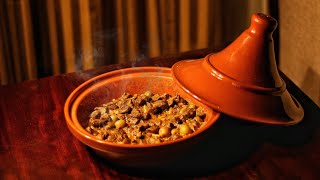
(36, 143)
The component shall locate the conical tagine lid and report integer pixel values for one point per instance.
(242, 80)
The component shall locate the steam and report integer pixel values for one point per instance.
(100, 39)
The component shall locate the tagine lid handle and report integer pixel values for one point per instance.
(262, 23)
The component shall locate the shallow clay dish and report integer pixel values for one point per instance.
(104, 88)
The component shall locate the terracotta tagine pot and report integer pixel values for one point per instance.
(242, 80)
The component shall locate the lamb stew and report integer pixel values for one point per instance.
(145, 119)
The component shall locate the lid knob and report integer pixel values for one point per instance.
(261, 23)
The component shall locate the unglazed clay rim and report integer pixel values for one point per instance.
(76, 96)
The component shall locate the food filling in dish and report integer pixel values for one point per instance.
(145, 119)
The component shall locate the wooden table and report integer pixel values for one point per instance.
(35, 141)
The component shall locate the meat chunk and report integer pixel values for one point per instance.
(133, 132)
(155, 97)
(140, 100)
(125, 109)
(143, 125)
(200, 112)
(170, 102)
(178, 99)
(136, 113)
(149, 108)
(95, 114)
(165, 96)
(191, 113)
(146, 116)
(99, 122)
(175, 121)
(153, 129)
(111, 106)
(132, 121)
(192, 124)
(125, 96)
(162, 104)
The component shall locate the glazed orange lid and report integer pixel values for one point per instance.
(242, 80)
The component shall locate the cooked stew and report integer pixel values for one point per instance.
(145, 119)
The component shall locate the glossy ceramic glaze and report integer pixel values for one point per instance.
(242, 80)
(108, 86)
